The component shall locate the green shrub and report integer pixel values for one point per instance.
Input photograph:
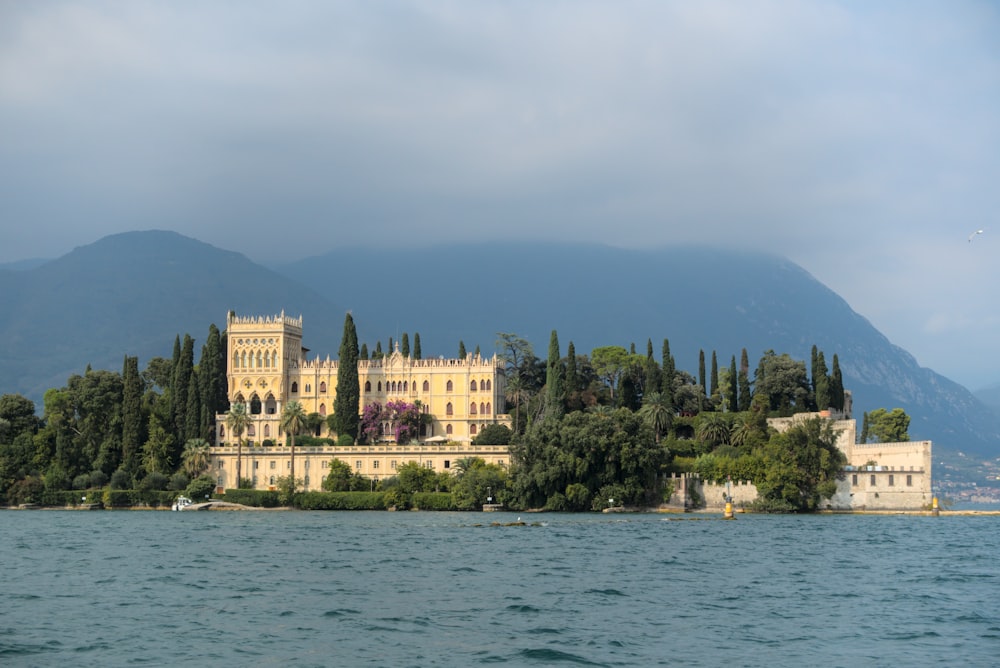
(199, 488)
(434, 501)
(257, 498)
(340, 501)
(120, 480)
(62, 498)
(118, 498)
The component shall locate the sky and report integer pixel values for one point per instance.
(860, 140)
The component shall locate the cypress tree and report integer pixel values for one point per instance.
(713, 379)
(378, 354)
(174, 361)
(461, 350)
(364, 351)
(554, 380)
(416, 346)
(404, 347)
(822, 381)
(132, 422)
(669, 371)
(476, 354)
(212, 383)
(701, 378)
(744, 382)
(813, 357)
(192, 413)
(863, 437)
(572, 381)
(732, 400)
(179, 392)
(836, 386)
(390, 348)
(347, 402)
(653, 375)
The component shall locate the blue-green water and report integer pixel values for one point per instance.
(433, 589)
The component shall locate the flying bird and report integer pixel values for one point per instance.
(971, 236)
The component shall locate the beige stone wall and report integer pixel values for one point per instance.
(265, 465)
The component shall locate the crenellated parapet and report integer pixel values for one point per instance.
(264, 320)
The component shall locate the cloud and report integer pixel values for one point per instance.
(857, 139)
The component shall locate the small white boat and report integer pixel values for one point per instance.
(181, 503)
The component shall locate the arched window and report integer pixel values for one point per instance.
(380, 386)
(449, 387)
(472, 408)
(482, 408)
(255, 405)
(427, 386)
(267, 360)
(322, 387)
(487, 411)
(243, 357)
(295, 387)
(236, 360)
(274, 358)
(222, 431)
(472, 430)
(250, 430)
(473, 387)
(322, 409)
(405, 386)
(393, 386)
(267, 431)
(448, 409)
(447, 429)
(259, 359)
(272, 480)
(368, 386)
(488, 386)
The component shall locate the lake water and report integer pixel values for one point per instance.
(284, 588)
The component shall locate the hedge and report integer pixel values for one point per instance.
(434, 501)
(257, 498)
(125, 498)
(340, 501)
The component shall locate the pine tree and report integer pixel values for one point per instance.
(461, 350)
(416, 346)
(348, 399)
(744, 383)
(554, 380)
(404, 347)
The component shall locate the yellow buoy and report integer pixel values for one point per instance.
(935, 511)
(728, 515)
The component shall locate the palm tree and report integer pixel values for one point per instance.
(237, 420)
(657, 414)
(713, 428)
(195, 456)
(293, 418)
(466, 464)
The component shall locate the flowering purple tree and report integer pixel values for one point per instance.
(404, 418)
(371, 421)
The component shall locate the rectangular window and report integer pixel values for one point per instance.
(255, 465)
(909, 481)
(392, 464)
(375, 464)
(854, 480)
(308, 388)
(324, 465)
(273, 465)
(499, 462)
(307, 464)
(892, 480)
(307, 481)
(221, 464)
(429, 465)
(288, 464)
(873, 480)
(357, 465)
(447, 464)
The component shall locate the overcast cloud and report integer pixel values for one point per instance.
(858, 139)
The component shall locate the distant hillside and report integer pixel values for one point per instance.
(130, 294)
(714, 299)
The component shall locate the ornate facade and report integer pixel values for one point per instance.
(268, 367)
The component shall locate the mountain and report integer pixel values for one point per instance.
(131, 294)
(708, 298)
